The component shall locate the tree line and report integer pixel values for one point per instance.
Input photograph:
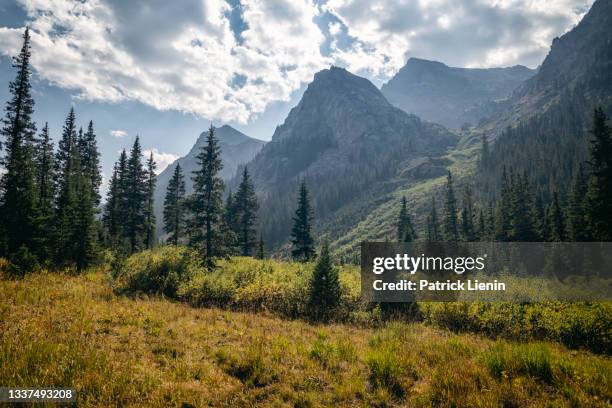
(520, 212)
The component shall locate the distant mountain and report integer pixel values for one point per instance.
(344, 138)
(236, 149)
(452, 96)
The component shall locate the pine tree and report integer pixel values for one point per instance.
(84, 236)
(91, 161)
(468, 231)
(206, 202)
(68, 166)
(451, 231)
(135, 199)
(44, 185)
(433, 225)
(503, 224)
(324, 286)
(261, 254)
(301, 233)
(523, 225)
(174, 206)
(110, 217)
(482, 228)
(405, 229)
(246, 211)
(577, 211)
(556, 220)
(149, 205)
(18, 206)
(599, 194)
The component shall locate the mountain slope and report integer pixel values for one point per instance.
(236, 149)
(452, 96)
(345, 139)
(550, 114)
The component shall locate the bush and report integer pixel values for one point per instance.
(162, 270)
(22, 262)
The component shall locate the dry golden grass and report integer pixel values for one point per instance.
(59, 330)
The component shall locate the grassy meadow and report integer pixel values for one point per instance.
(121, 343)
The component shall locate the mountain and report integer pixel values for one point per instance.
(452, 96)
(236, 149)
(346, 141)
(544, 129)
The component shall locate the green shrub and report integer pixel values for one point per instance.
(22, 262)
(386, 369)
(159, 271)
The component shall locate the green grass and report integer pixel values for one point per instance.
(144, 350)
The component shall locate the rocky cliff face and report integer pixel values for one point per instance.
(452, 96)
(342, 138)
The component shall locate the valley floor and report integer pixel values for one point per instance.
(58, 330)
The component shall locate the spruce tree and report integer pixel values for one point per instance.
(206, 203)
(599, 194)
(91, 161)
(405, 229)
(433, 225)
(135, 199)
(84, 238)
(246, 212)
(68, 167)
(149, 204)
(451, 230)
(18, 206)
(46, 193)
(503, 223)
(523, 224)
(468, 230)
(556, 220)
(324, 287)
(174, 206)
(261, 254)
(482, 228)
(577, 211)
(301, 233)
(110, 216)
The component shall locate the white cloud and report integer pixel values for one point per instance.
(172, 56)
(472, 33)
(163, 160)
(187, 57)
(118, 133)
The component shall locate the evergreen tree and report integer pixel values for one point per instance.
(577, 211)
(556, 220)
(490, 231)
(433, 225)
(523, 227)
(246, 211)
(542, 226)
(599, 194)
(91, 161)
(84, 238)
(174, 206)
(110, 217)
(301, 233)
(261, 254)
(135, 199)
(46, 193)
(18, 205)
(451, 231)
(68, 166)
(503, 224)
(482, 227)
(149, 205)
(468, 231)
(324, 286)
(206, 203)
(405, 230)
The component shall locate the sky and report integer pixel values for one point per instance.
(166, 70)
